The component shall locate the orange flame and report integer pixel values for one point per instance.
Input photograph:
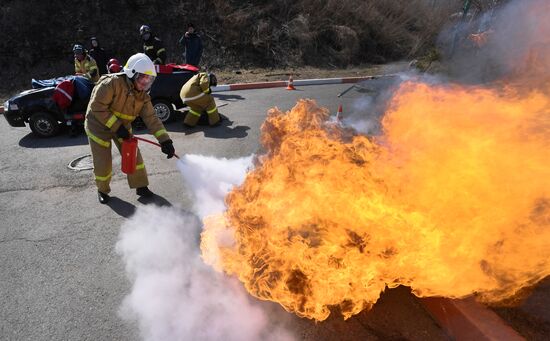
(453, 199)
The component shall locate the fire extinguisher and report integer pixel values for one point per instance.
(129, 153)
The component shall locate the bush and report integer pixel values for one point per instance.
(274, 33)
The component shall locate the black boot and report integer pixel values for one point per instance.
(102, 197)
(144, 192)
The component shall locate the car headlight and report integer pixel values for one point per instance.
(13, 106)
(6, 105)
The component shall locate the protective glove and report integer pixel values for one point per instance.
(122, 132)
(167, 147)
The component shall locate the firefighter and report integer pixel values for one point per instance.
(152, 45)
(197, 94)
(116, 101)
(84, 64)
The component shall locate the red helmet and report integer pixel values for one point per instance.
(114, 68)
(114, 65)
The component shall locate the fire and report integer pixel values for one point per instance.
(451, 199)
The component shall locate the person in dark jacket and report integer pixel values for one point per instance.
(99, 54)
(192, 46)
(152, 45)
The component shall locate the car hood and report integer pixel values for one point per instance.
(32, 94)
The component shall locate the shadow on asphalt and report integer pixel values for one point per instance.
(224, 130)
(228, 98)
(155, 199)
(60, 140)
(121, 207)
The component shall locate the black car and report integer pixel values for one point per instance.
(165, 93)
(37, 108)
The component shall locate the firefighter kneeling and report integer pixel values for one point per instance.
(116, 101)
(196, 93)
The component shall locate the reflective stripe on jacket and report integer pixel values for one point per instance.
(155, 50)
(114, 102)
(86, 67)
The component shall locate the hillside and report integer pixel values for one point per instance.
(38, 35)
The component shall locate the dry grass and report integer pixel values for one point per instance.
(246, 75)
(328, 34)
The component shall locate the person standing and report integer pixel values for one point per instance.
(152, 45)
(116, 101)
(192, 46)
(84, 64)
(98, 53)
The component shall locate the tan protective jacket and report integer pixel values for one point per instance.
(115, 101)
(86, 68)
(195, 88)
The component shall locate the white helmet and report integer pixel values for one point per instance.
(139, 63)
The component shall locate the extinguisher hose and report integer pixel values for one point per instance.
(152, 142)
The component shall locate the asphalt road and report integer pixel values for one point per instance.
(60, 276)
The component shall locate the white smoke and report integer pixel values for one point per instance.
(366, 111)
(512, 29)
(210, 179)
(174, 295)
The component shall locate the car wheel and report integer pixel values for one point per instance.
(163, 110)
(43, 124)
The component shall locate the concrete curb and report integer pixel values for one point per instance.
(468, 320)
(280, 84)
(302, 82)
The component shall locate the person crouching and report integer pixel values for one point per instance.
(196, 93)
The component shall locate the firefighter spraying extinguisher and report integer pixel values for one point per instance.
(128, 164)
(116, 101)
